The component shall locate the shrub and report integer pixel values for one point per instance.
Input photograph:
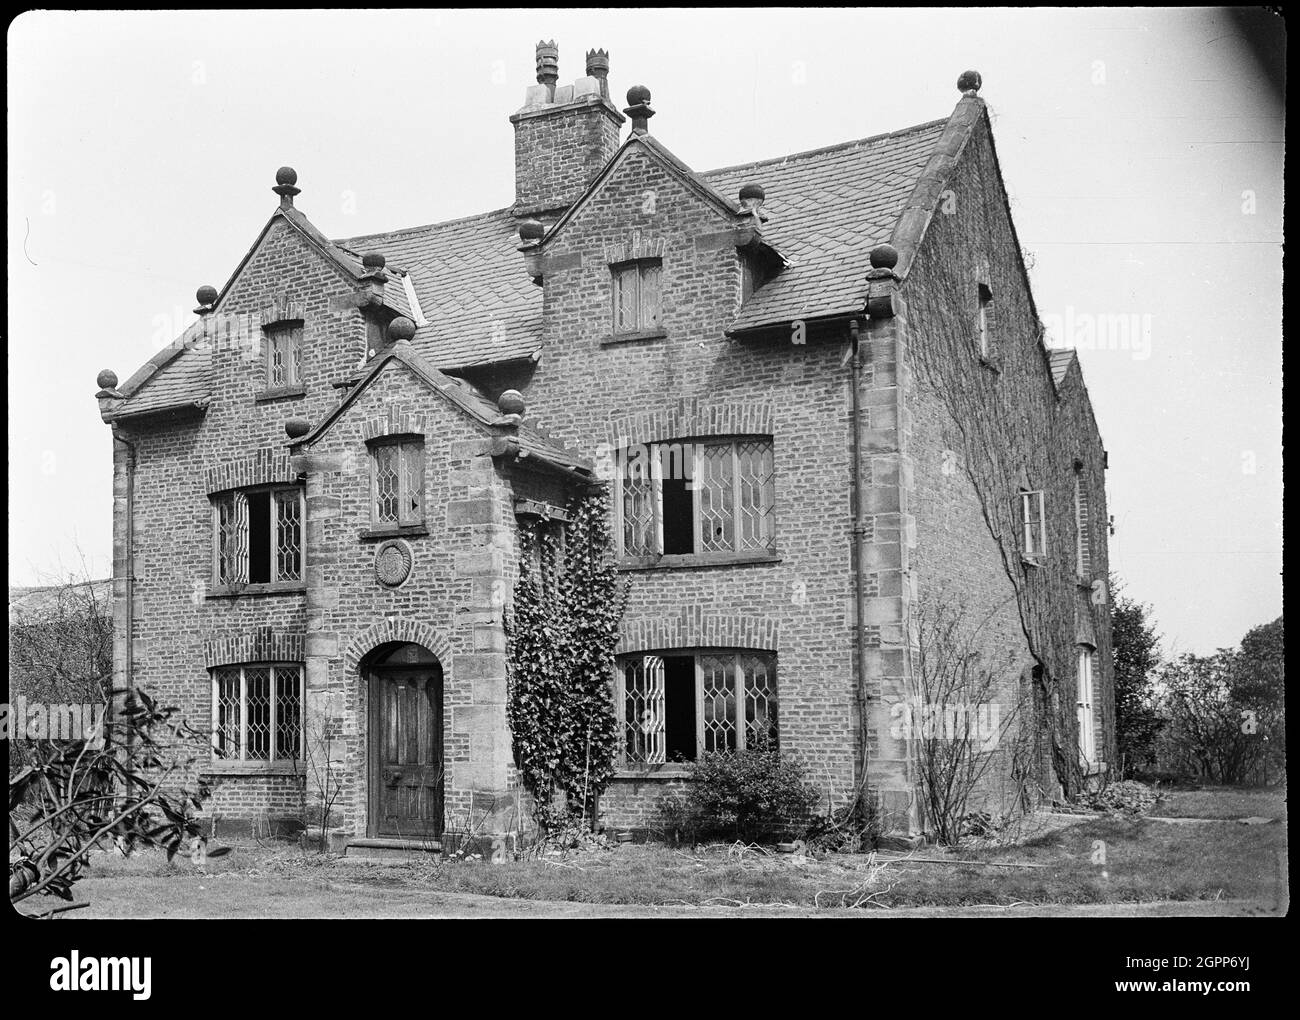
(853, 829)
(757, 795)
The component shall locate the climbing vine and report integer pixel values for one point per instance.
(1010, 430)
(560, 641)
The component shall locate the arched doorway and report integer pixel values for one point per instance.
(405, 742)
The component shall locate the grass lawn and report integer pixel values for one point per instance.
(1096, 861)
(1223, 802)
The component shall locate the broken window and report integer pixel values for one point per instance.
(1033, 522)
(711, 497)
(257, 537)
(678, 707)
(284, 355)
(257, 712)
(637, 304)
(1087, 727)
(397, 483)
(984, 324)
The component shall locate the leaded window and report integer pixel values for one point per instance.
(1083, 708)
(676, 707)
(284, 355)
(637, 297)
(257, 712)
(257, 537)
(714, 497)
(397, 483)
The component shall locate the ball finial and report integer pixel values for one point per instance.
(970, 81)
(511, 402)
(286, 176)
(637, 95)
(106, 380)
(206, 295)
(296, 428)
(531, 230)
(373, 260)
(400, 329)
(884, 256)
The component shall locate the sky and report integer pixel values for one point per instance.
(1142, 150)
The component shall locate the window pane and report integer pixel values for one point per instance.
(277, 358)
(643, 710)
(386, 484)
(638, 503)
(760, 701)
(625, 318)
(650, 299)
(718, 700)
(412, 457)
(294, 360)
(288, 536)
(257, 703)
(226, 691)
(714, 482)
(232, 538)
(260, 549)
(288, 713)
(757, 487)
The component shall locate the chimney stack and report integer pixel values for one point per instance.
(564, 135)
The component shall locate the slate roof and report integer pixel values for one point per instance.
(826, 209)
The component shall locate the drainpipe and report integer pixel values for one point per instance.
(859, 547)
(129, 613)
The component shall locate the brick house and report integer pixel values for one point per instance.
(816, 389)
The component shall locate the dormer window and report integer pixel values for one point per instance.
(637, 304)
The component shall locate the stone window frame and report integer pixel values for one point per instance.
(1033, 511)
(655, 454)
(649, 317)
(408, 444)
(655, 761)
(292, 763)
(1085, 713)
(290, 330)
(238, 499)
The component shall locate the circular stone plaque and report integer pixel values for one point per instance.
(393, 563)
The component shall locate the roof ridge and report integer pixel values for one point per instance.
(853, 143)
(425, 227)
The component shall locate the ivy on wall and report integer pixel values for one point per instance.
(560, 641)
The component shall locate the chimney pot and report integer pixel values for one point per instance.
(598, 68)
(548, 64)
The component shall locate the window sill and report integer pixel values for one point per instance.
(1033, 561)
(696, 562)
(673, 771)
(401, 531)
(628, 338)
(279, 393)
(279, 588)
(253, 768)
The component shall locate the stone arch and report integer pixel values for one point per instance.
(396, 628)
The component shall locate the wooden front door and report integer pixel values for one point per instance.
(406, 751)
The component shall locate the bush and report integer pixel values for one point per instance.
(853, 829)
(756, 795)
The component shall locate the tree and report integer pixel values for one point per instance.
(119, 784)
(1136, 654)
(1258, 685)
(1207, 734)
